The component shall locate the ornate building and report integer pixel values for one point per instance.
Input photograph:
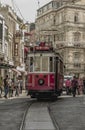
(13, 41)
(62, 22)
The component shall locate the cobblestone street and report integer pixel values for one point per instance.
(69, 112)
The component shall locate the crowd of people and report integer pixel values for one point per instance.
(14, 88)
(10, 87)
(75, 86)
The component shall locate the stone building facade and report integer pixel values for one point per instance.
(13, 44)
(62, 22)
(9, 18)
(3, 44)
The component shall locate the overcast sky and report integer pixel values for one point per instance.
(28, 8)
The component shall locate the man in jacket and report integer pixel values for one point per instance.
(74, 85)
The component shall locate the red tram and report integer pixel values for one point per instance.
(45, 74)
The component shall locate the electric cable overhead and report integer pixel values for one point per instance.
(16, 8)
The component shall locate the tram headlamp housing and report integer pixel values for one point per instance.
(40, 81)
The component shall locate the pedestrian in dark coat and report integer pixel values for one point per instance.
(68, 86)
(21, 85)
(1, 85)
(74, 84)
(6, 86)
(84, 85)
(17, 87)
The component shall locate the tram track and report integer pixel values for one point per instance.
(12, 112)
(41, 121)
(53, 119)
(24, 117)
(19, 113)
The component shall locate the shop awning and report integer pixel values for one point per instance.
(22, 70)
(6, 66)
(16, 71)
(27, 34)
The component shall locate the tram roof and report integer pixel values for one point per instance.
(44, 48)
(49, 53)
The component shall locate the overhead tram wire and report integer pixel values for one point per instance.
(16, 8)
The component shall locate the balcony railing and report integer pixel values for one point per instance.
(61, 44)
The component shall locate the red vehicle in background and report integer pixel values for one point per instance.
(45, 72)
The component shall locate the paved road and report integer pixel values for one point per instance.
(12, 112)
(38, 118)
(69, 112)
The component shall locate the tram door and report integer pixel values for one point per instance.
(56, 73)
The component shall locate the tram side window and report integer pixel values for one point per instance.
(61, 66)
(31, 64)
(51, 64)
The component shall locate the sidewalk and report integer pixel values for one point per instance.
(21, 95)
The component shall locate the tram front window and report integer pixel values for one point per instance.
(41, 63)
(44, 63)
(37, 63)
(31, 64)
(51, 64)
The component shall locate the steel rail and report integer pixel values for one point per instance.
(24, 116)
(53, 119)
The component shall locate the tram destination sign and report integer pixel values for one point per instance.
(42, 48)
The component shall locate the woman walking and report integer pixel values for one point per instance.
(68, 86)
(17, 87)
(1, 85)
(74, 85)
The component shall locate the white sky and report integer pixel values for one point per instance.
(28, 8)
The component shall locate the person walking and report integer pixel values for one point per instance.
(1, 86)
(68, 86)
(80, 86)
(17, 84)
(6, 86)
(21, 85)
(74, 84)
(10, 87)
(83, 85)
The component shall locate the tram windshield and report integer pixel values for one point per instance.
(44, 63)
(37, 62)
(51, 64)
(41, 63)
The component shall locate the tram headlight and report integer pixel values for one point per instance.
(40, 81)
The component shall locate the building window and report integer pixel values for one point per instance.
(54, 38)
(77, 60)
(1, 32)
(76, 55)
(76, 18)
(77, 36)
(6, 33)
(54, 20)
(77, 65)
(16, 49)
(58, 4)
